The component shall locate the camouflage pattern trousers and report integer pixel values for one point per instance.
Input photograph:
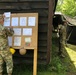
(5, 55)
(61, 45)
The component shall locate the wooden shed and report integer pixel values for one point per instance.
(45, 9)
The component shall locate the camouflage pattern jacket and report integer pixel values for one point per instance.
(62, 32)
(4, 33)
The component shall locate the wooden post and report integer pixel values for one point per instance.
(35, 62)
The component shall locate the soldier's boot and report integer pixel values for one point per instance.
(9, 74)
(0, 73)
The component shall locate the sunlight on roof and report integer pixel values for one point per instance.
(72, 54)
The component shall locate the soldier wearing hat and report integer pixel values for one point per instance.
(5, 54)
(62, 37)
(61, 34)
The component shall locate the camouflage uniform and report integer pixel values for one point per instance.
(62, 38)
(5, 54)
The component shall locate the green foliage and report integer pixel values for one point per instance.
(56, 63)
(68, 7)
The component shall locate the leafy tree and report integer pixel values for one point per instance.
(67, 7)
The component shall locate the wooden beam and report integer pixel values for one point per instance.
(49, 41)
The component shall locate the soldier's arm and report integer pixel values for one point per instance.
(9, 31)
(58, 31)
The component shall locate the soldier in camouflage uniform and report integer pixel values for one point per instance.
(5, 54)
(62, 37)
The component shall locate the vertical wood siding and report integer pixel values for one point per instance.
(45, 10)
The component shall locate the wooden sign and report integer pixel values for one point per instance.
(25, 26)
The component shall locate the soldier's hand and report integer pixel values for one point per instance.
(11, 27)
(58, 35)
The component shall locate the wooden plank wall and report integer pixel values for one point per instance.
(30, 6)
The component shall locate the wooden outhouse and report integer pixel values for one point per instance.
(45, 9)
